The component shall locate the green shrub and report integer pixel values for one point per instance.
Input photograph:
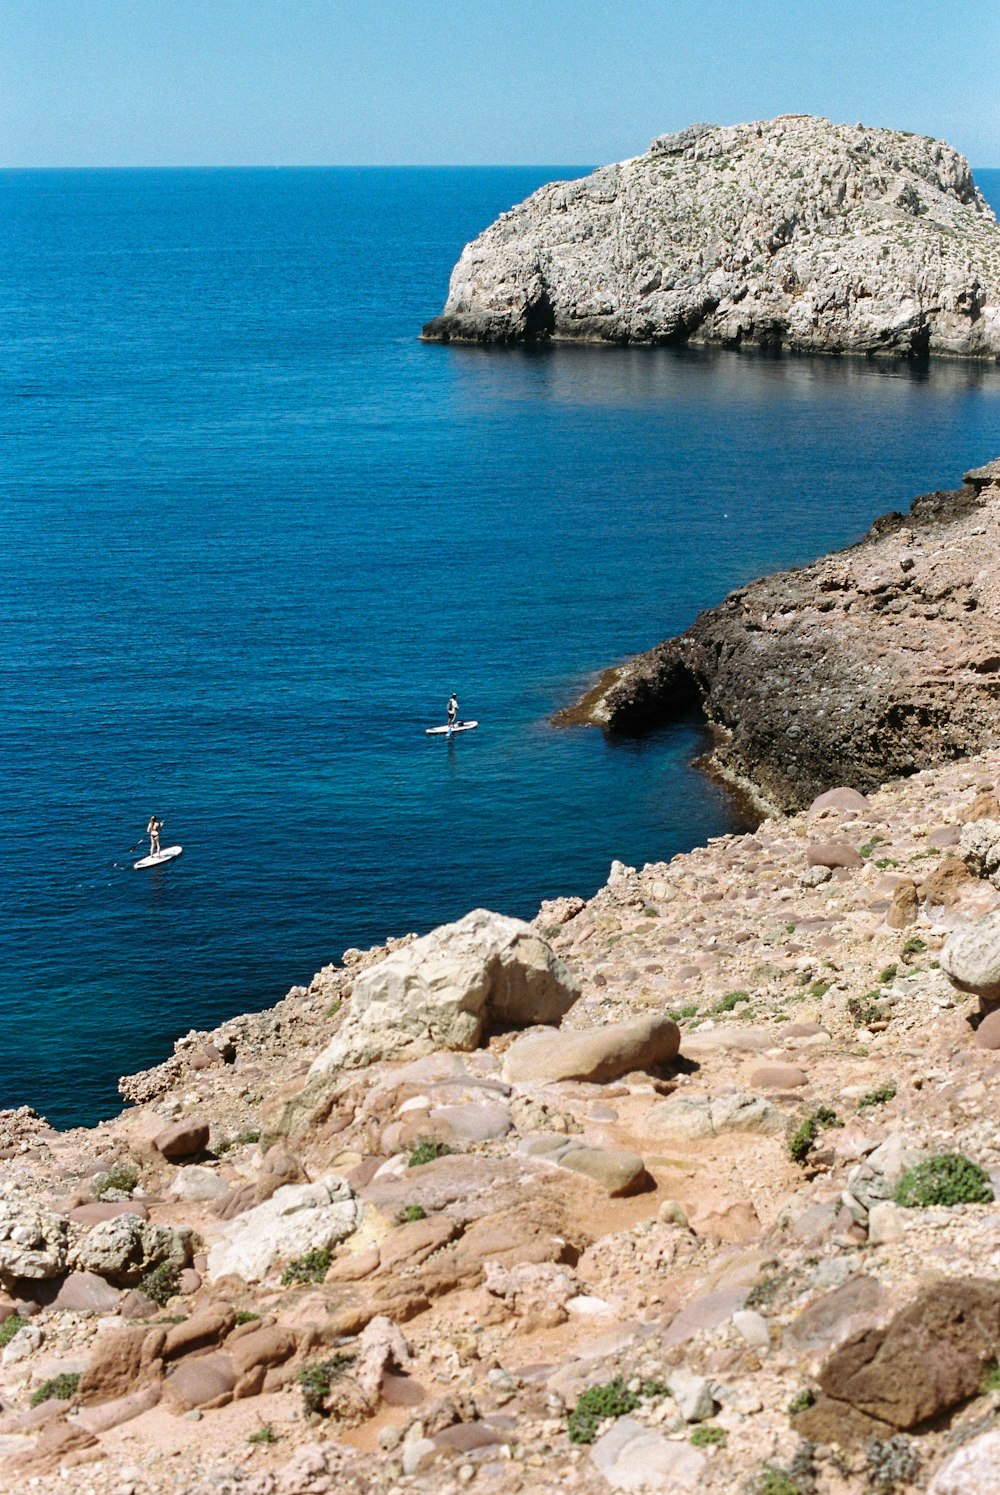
(866, 1010)
(335, 1007)
(9, 1328)
(879, 1097)
(595, 1405)
(316, 1379)
(773, 1481)
(948, 1179)
(819, 988)
(680, 1013)
(708, 1436)
(800, 1401)
(991, 1381)
(58, 1389)
(414, 1212)
(914, 946)
(426, 1152)
(888, 974)
(242, 1139)
(264, 1434)
(160, 1284)
(800, 1144)
(246, 1316)
(870, 846)
(121, 1179)
(312, 1267)
(730, 1000)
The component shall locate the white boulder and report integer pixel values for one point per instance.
(295, 1220)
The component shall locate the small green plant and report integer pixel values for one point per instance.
(800, 1144)
(914, 946)
(866, 1010)
(891, 1463)
(242, 1139)
(595, 1405)
(9, 1328)
(171, 1318)
(680, 1013)
(650, 911)
(789, 928)
(884, 862)
(878, 1097)
(991, 1381)
(426, 1152)
(119, 1180)
(312, 1267)
(335, 1007)
(58, 1389)
(160, 1283)
(774, 1481)
(708, 1436)
(870, 846)
(316, 1379)
(414, 1212)
(819, 988)
(887, 975)
(951, 1178)
(264, 1434)
(246, 1316)
(801, 1401)
(730, 1000)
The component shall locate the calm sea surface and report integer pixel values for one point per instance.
(252, 534)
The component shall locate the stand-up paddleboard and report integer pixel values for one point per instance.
(444, 731)
(166, 855)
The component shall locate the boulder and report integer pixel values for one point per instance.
(633, 1457)
(296, 1219)
(121, 1362)
(112, 1414)
(596, 1054)
(972, 1470)
(278, 1168)
(779, 1077)
(201, 1381)
(184, 1139)
(988, 1032)
(979, 847)
(692, 1394)
(833, 854)
(126, 1248)
(381, 1348)
(262, 1348)
(688, 1118)
(905, 905)
(194, 1184)
(617, 1171)
(448, 989)
(33, 1243)
(83, 1292)
(930, 1357)
(971, 958)
(200, 1331)
(848, 800)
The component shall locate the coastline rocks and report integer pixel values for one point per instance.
(184, 1139)
(295, 1220)
(979, 846)
(792, 232)
(971, 958)
(595, 1054)
(448, 989)
(34, 1243)
(848, 800)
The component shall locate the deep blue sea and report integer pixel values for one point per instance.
(252, 534)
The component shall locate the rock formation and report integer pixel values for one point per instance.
(871, 663)
(792, 232)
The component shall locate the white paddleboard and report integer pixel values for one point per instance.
(458, 727)
(166, 855)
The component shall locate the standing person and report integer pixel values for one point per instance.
(452, 710)
(153, 830)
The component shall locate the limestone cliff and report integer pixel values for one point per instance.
(792, 232)
(868, 665)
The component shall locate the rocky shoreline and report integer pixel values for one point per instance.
(787, 233)
(867, 665)
(397, 1234)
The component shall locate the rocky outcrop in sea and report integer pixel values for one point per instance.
(869, 664)
(792, 232)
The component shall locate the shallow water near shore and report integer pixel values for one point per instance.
(254, 533)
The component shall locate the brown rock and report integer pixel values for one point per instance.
(98, 1210)
(826, 1319)
(412, 1243)
(840, 799)
(122, 1409)
(242, 1198)
(201, 1381)
(833, 854)
(83, 1291)
(266, 1347)
(988, 1032)
(945, 883)
(904, 907)
(928, 1359)
(136, 1305)
(945, 835)
(198, 1332)
(59, 1444)
(463, 1437)
(778, 1077)
(402, 1391)
(618, 1172)
(984, 807)
(184, 1139)
(280, 1167)
(353, 1267)
(121, 1363)
(594, 1054)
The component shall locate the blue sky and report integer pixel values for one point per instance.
(219, 82)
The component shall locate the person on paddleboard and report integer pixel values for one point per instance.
(452, 710)
(153, 830)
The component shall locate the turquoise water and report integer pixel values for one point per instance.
(254, 533)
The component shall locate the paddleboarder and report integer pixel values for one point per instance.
(153, 830)
(452, 710)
